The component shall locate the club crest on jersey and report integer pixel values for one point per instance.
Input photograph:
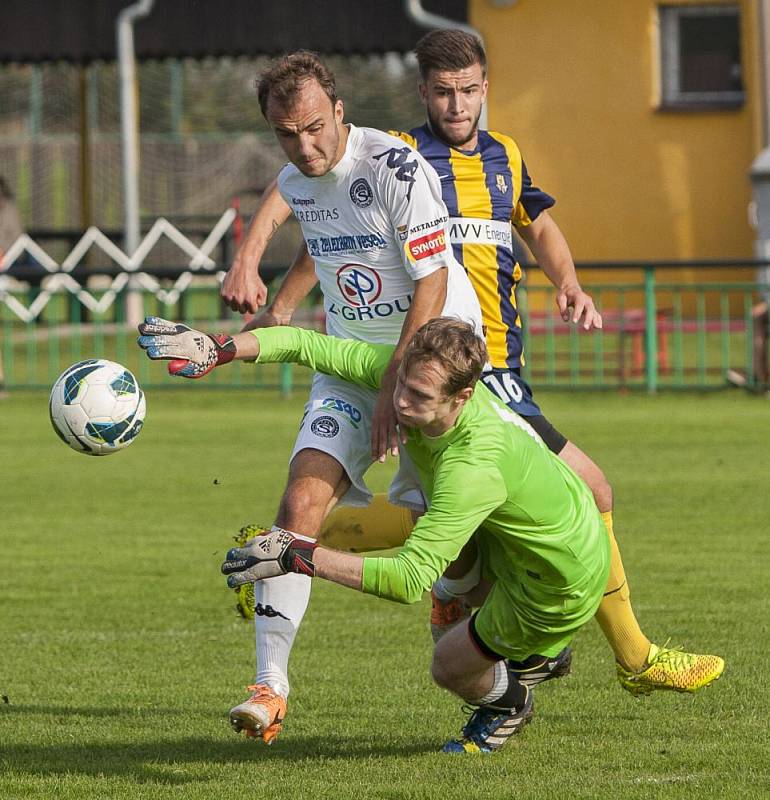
(359, 285)
(403, 232)
(361, 193)
(425, 246)
(501, 183)
(325, 427)
(398, 159)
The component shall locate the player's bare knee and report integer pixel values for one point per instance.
(300, 511)
(448, 667)
(442, 672)
(315, 480)
(591, 473)
(602, 490)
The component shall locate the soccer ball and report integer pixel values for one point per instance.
(97, 407)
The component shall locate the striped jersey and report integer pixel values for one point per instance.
(485, 191)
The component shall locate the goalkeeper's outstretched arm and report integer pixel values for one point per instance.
(277, 552)
(192, 353)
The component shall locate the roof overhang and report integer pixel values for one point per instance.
(81, 31)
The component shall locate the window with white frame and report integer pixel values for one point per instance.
(700, 47)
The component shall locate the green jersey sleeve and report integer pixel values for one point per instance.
(463, 497)
(361, 363)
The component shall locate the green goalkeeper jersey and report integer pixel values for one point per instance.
(542, 532)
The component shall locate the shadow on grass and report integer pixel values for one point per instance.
(185, 760)
(73, 711)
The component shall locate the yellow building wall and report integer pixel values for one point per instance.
(576, 84)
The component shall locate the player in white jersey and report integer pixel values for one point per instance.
(375, 224)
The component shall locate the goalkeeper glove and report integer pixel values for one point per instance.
(192, 353)
(267, 556)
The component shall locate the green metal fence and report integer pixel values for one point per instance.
(657, 335)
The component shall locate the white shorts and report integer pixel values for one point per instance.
(338, 421)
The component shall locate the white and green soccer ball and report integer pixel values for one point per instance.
(97, 407)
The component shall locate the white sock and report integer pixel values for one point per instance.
(499, 687)
(279, 605)
(447, 588)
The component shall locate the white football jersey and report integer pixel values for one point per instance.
(373, 225)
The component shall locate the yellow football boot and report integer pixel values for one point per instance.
(244, 594)
(671, 670)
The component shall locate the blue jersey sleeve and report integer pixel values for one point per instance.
(531, 201)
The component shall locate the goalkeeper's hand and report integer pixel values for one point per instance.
(268, 555)
(191, 353)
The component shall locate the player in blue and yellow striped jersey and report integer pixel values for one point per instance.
(486, 188)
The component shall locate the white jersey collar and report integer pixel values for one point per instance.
(352, 144)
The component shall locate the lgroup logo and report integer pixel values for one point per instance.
(359, 285)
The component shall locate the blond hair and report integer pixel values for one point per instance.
(454, 346)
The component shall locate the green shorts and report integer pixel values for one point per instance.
(519, 618)
(504, 630)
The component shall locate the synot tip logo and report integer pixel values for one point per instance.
(427, 245)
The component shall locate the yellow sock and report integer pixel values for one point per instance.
(377, 527)
(615, 615)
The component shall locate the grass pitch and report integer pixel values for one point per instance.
(121, 654)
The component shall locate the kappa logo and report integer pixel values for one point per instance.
(501, 184)
(325, 427)
(398, 159)
(268, 611)
(359, 285)
(427, 245)
(361, 193)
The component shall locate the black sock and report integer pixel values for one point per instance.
(533, 662)
(514, 696)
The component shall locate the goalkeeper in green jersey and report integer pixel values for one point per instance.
(542, 543)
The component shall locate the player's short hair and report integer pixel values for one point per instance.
(454, 346)
(450, 50)
(284, 77)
